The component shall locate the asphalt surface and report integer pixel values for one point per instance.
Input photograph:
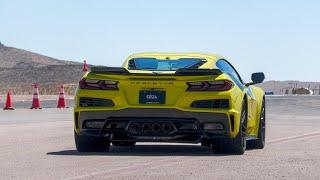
(38, 144)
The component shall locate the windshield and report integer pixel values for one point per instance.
(154, 64)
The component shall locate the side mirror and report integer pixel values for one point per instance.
(256, 78)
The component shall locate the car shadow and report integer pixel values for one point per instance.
(145, 150)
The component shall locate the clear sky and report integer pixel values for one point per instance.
(281, 38)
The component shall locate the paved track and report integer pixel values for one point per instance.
(38, 144)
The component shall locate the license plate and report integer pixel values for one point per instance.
(152, 97)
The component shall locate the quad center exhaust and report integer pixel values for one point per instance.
(150, 128)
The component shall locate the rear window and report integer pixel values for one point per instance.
(153, 64)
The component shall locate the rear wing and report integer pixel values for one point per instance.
(179, 72)
(109, 70)
(197, 72)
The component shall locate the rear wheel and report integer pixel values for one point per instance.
(124, 143)
(235, 145)
(91, 144)
(260, 142)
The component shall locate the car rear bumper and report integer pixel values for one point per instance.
(185, 126)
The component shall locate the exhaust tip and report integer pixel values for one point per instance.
(135, 128)
(156, 127)
(166, 128)
(146, 127)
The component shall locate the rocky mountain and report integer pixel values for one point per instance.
(19, 69)
(18, 58)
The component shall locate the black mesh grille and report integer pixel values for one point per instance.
(95, 102)
(212, 103)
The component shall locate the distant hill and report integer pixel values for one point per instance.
(280, 87)
(18, 58)
(19, 69)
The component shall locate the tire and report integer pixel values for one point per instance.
(91, 144)
(235, 145)
(260, 142)
(124, 143)
(219, 146)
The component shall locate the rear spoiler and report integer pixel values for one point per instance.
(109, 70)
(197, 72)
(179, 72)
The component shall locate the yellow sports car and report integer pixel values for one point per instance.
(169, 97)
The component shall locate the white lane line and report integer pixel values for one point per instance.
(120, 170)
(297, 137)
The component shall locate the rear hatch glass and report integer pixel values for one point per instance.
(153, 64)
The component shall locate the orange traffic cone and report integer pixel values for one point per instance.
(8, 105)
(85, 67)
(36, 99)
(61, 101)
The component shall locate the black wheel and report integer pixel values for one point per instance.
(91, 144)
(124, 143)
(220, 146)
(260, 142)
(238, 144)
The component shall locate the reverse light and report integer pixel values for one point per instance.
(213, 126)
(220, 85)
(94, 84)
(188, 126)
(94, 124)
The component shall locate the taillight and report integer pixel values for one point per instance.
(220, 85)
(94, 84)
